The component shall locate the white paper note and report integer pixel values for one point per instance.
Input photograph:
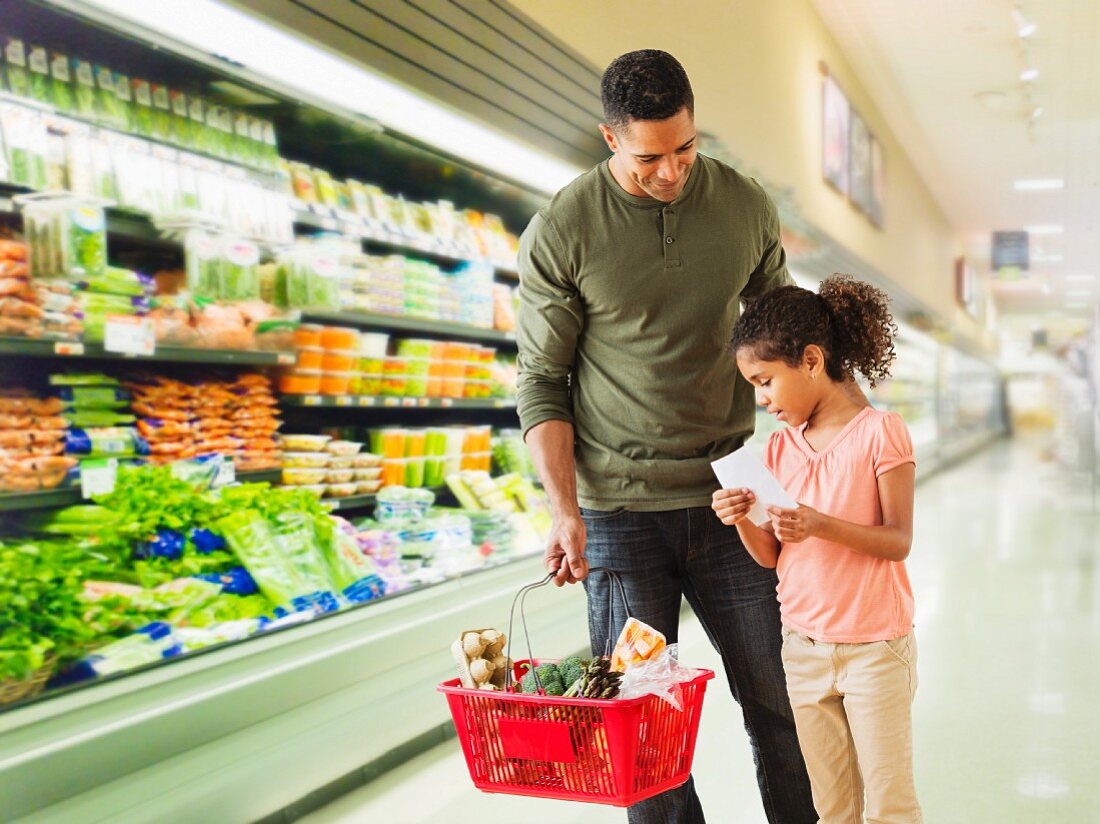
(744, 468)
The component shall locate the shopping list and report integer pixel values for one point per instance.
(744, 468)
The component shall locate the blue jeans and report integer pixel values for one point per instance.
(662, 556)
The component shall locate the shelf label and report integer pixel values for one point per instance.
(344, 400)
(129, 335)
(97, 476)
(227, 473)
(287, 359)
(366, 400)
(446, 403)
(424, 403)
(391, 402)
(311, 400)
(67, 348)
(498, 404)
(408, 403)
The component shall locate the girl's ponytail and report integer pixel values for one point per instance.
(863, 328)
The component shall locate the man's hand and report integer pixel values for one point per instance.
(794, 525)
(732, 505)
(565, 550)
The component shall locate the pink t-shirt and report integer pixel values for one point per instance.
(826, 590)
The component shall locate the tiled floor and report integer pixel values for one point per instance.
(1007, 718)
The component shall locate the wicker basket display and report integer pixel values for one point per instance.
(12, 691)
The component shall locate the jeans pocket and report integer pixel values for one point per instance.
(598, 516)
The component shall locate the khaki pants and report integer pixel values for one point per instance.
(852, 709)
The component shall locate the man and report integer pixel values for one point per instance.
(631, 280)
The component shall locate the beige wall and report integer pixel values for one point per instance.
(754, 69)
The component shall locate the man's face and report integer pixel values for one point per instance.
(653, 157)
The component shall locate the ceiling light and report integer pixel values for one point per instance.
(1044, 230)
(1076, 304)
(1040, 257)
(1029, 74)
(1079, 278)
(1078, 293)
(1037, 112)
(1039, 184)
(295, 65)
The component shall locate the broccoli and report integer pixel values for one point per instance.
(571, 669)
(549, 677)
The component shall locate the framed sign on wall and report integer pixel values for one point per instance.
(834, 127)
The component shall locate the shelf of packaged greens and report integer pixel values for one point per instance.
(66, 496)
(65, 122)
(173, 354)
(372, 401)
(436, 329)
(318, 217)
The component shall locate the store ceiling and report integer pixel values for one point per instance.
(946, 77)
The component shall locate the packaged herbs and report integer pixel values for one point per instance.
(61, 83)
(84, 91)
(143, 107)
(110, 110)
(162, 113)
(125, 101)
(240, 270)
(15, 67)
(181, 122)
(38, 61)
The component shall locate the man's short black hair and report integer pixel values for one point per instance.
(644, 85)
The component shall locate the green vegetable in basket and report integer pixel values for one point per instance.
(572, 670)
(548, 676)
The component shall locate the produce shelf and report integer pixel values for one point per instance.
(372, 401)
(351, 502)
(51, 498)
(437, 329)
(378, 238)
(172, 354)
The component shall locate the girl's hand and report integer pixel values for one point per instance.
(794, 525)
(732, 505)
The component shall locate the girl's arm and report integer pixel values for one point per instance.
(732, 506)
(891, 541)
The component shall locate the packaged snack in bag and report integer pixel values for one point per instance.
(637, 642)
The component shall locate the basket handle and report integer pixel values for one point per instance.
(613, 581)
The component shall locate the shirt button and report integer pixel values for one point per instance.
(668, 240)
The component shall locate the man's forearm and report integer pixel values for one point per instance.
(550, 444)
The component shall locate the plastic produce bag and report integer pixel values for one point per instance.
(660, 675)
(253, 541)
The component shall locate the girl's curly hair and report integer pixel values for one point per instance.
(850, 321)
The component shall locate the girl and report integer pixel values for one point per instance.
(847, 606)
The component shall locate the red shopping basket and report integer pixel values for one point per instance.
(617, 751)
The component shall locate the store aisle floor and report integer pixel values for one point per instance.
(1006, 721)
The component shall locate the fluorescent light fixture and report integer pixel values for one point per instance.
(1029, 74)
(1039, 184)
(1079, 293)
(1039, 257)
(1036, 113)
(1044, 230)
(1077, 304)
(1080, 278)
(295, 65)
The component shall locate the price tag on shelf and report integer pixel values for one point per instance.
(97, 476)
(312, 400)
(424, 403)
(498, 404)
(287, 359)
(344, 400)
(446, 403)
(391, 402)
(129, 335)
(330, 225)
(366, 400)
(408, 403)
(68, 348)
(227, 473)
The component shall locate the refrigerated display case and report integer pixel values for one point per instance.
(970, 407)
(275, 714)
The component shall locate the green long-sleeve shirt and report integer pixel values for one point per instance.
(626, 309)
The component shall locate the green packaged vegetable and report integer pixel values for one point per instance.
(181, 122)
(143, 107)
(297, 539)
(196, 113)
(61, 83)
(162, 113)
(251, 538)
(240, 270)
(125, 101)
(87, 242)
(15, 67)
(84, 90)
(38, 62)
(109, 107)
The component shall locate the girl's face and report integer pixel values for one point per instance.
(788, 392)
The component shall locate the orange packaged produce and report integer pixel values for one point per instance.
(300, 382)
(307, 335)
(336, 383)
(340, 338)
(337, 361)
(310, 357)
(393, 471)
